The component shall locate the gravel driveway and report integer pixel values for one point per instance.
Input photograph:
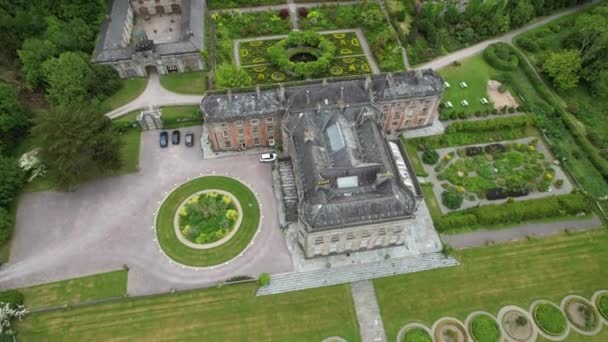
(109, 223)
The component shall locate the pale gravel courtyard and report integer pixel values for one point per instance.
(109, 223)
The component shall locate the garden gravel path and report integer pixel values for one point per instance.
(483, 237)
(109, 223)
(448, 59)
(368, 311)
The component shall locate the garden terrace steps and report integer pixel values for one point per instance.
(288, 189)
(288, 282)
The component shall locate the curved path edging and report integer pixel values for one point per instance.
(594, 300)
(505, 335)
(404, 329)
(168, 193)
(334, 339)
(572, 325)
(541, 332)
(219, 242)
(451, 320)
(472, 315)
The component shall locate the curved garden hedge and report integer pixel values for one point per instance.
(183, 254)
(501, 56)
(303, 41)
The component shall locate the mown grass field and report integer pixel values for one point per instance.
(78, 290)
(231, 313)
(492, 277)
(212, 256)
(185, 82)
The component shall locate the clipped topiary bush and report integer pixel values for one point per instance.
(550, 319)
(484, 329)
(430, 157)
(417, 335)
(451, 199)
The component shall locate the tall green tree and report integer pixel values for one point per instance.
(76, 143)
(12, 180)
(563, 68)
(32, 54)
(522, 13)
(14, 120)
(67, 77)
(230, 76)
(73, 35)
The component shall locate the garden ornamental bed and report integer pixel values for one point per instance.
(207, 217)
(602, 305)
(449, 330)
(581, 314)
(484, 328)
(517, 326)
(550, 319)
(304, 54)
(417, 335)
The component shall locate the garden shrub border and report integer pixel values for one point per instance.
(175, 250)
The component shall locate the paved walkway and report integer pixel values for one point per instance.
(108, 223)
(156, 95)
(448, 59)
(482, 237)
(371, 327)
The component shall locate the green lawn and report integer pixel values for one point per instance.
(181, 116)
(78, 290)
(185, 82)
(231, 313)
(476, 73)
(213, 256)
(129, 90)
(492, 277)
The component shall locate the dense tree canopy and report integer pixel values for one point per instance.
(14, 120)
(230, 76)
(76, 143)
(563, 68)
(12, 180)
(67, 77)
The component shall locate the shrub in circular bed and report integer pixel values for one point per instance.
(417, 335)
(602, 305)
(550, 319)
(430, 157)
(207, 217)
(484, 329)
(303, 43)
(451, 199)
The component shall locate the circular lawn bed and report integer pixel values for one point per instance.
(602, 304)
(484, 328)
(181, 253)
(417, 335)
(550, 319)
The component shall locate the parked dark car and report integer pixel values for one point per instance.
(189, 139)
(175, 136)
(164, 139)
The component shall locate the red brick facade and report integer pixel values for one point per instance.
(246, 133)
(409, 114)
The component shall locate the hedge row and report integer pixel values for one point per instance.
(501, 56)
(510, 122)
(12, 297)
(514, 212)
(593, 155)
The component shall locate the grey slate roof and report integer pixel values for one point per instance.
(416, 83)
(364, 154)
(229, 107)
(110, 34)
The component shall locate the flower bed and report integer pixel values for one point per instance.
(581, 314)
(602, 305)
(550, 319)
(207, 217)
(417, 335)
(484, 329)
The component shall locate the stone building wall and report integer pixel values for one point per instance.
(358, 238)
(127, 28)
(154, 7)
(136, 66)
(245, 133)
(410, 113)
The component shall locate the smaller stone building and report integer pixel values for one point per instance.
(163, 35)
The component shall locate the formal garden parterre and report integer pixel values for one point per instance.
(347, 59)
(202, 225)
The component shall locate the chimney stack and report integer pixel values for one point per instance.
(368, 82)
(307, 96)
(229, 95)
(257, 91)
(281, 93)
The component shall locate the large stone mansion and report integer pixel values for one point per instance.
(139, 35)
(355, 188)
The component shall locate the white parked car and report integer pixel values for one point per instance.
(268, 157)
